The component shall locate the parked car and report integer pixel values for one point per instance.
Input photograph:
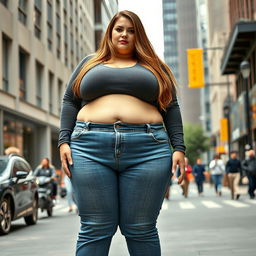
(18, 192)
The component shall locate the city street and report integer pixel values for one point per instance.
(208, 226)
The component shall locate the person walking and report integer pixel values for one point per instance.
(233, 170)
(185, 183)
(249, 165)
(217, 169)
(119, 117)
(70, 193)
(198, 172)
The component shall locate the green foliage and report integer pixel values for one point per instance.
(196, 142)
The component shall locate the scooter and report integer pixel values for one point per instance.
(46, 202)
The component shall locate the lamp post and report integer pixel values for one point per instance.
(245, 70)
(226, 111)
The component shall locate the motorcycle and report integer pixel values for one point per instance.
(46, 201)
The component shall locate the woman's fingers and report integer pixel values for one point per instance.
(65, 167)
(66, 159)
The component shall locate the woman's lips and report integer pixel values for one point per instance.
(123, 42)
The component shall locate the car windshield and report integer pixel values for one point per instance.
(3, 164)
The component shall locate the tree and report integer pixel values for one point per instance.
(196, 142)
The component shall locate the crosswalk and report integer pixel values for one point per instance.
(209, 201)
(208, 204)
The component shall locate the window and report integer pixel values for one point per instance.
(50, 92)
(39, 72)
(22, 74)
(58, 35)
(66, 44)
(23, 11)
(37, 18)
(4, 2)
(5, 63)
(58, 46)
(49, 24)
(59, 94)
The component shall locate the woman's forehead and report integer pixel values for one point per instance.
(123, 22)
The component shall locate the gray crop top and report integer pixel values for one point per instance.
(101, 80)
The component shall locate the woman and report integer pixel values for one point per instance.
(113, 142)
(198, 172)
(69, 189)
(217, 169)
(185, 183)
(48, 170)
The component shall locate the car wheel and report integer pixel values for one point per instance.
(5, 217)
(32, 219)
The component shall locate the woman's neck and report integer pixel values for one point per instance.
(122, 58)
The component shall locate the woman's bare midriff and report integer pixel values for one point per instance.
(119, 107)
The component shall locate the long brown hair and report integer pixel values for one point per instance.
(143, 52)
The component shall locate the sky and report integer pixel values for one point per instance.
(150, 13)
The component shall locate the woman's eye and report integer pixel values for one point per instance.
(131, 31)
(118, 29)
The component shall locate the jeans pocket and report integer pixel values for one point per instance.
(77, 132)
(159, 136)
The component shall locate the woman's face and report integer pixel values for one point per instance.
(123, 36)
(44, 162)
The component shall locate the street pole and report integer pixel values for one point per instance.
(248, 114)
(228, 116)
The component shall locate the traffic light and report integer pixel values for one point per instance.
(195, 68)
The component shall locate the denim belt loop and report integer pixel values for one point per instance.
(87, 124)
(116, 125)
(148, 128)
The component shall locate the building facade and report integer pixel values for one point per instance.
(104, 10)
(41, 43)
(219, 87)
(180, 33)
(240, 46)
(170, 36)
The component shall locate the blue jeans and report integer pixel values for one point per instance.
(217, 181)
(120, 173)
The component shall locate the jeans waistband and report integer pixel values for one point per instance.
(120, 126)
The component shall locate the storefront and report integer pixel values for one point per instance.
(241, 47)
(34, 140)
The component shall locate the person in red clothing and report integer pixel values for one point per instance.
(185, 183)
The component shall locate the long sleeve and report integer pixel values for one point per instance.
(173, 123)
(70, 107)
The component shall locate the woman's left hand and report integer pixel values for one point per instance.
(178, 158)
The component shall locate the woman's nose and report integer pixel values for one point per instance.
(124, 33)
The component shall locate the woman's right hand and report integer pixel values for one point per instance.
(65, 157)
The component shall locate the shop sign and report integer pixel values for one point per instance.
(238, 122)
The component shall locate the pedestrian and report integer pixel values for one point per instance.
(198, 172)
(70, 193)
(249, 165)
(119, 116)
(47, 169)
(217, 169)
(185, 183)
(233, 170)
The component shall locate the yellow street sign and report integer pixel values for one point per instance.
(195, 68)
(224, 130)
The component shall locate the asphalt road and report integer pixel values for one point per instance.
(208, 226)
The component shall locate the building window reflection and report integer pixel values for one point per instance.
(19, 134)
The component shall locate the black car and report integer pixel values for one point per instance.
(18, 192)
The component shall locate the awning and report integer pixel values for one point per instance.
(241, 41)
